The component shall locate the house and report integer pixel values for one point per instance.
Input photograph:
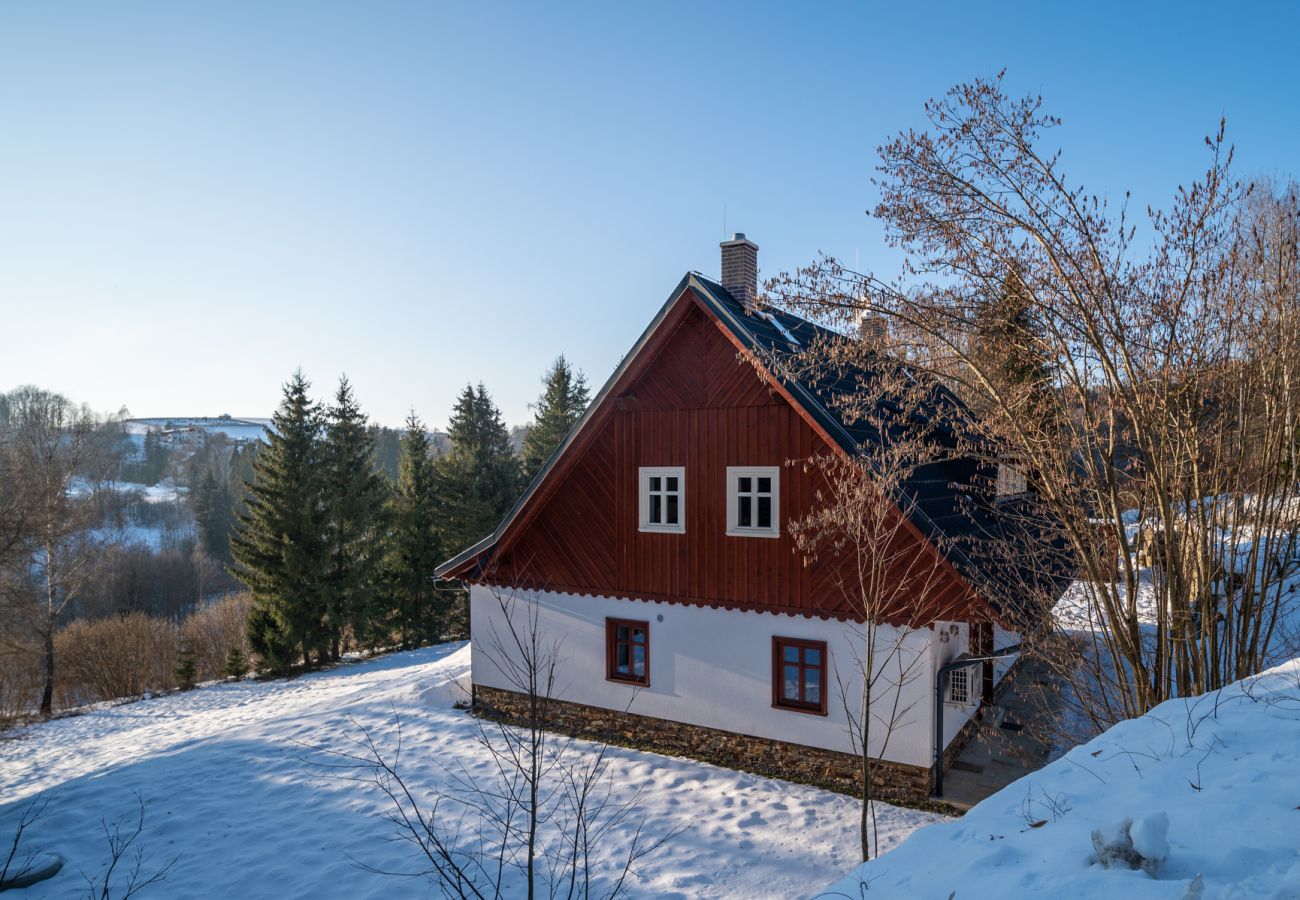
(654, 548)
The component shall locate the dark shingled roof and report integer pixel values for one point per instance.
(949, 498)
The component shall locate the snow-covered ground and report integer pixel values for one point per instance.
(155, 537)
(1224, 767)
(154, 534)
(228, 786)
(165, 491)
(241, 429)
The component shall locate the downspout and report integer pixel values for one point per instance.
(939, 676)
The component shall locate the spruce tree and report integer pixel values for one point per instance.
(236, 666)
(187, 669)
(1006, 349)
(477, 479)
(214, 514)
(417, 608)
(279, 540)
(564, 399)
(354, 494)
(155, 457)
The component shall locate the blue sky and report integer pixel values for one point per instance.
(196, 198)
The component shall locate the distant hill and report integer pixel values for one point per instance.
(183, 429)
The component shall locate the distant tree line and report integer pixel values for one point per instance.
(334, 523)
(338, 556)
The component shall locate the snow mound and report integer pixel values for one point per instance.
(449, 686)
(1135, 845)
(1205, 791)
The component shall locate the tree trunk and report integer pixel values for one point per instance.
(51, 616)
(47, 695)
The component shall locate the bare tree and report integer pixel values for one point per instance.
(48, 445)
(1168, 415)
(127, 859)
(547, 821)
(862, 530)
(19, 868)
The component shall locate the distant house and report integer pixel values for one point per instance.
(656, 546)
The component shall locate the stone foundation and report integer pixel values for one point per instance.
(763, 756)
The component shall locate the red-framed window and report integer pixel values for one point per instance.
(799, 675)
(627, 651)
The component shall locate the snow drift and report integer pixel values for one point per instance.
(1205, 789)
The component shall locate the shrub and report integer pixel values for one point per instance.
(20, 682)
(122, 656)
(213, 631)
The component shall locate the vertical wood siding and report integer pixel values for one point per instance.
(698, 406)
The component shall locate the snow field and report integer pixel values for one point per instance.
(225, 772)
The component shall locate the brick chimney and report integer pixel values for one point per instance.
(740, 269)
(872, 329)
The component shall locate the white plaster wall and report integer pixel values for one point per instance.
(943, 651)
(713, 667)
(954, 715)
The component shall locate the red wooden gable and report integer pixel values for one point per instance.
(690, 398)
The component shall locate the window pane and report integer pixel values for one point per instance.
(638, 661)
(655, 482)
(764, 512)
(672, 510)
(791, 654)
(744, 485)
(620, 632)
(656, 509)
(812, 657)
(812, 686)
(744, 517)
(671, 482)
(790, 685)
(621, 659)
(765, 485)
(638, 635)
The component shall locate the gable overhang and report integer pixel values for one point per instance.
(471, 562)
(692, 291)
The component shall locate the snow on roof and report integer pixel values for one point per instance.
(794, 341)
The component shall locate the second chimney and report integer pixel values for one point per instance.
(740, 269)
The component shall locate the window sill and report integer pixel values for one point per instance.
(754, 532)
(1013, 498)
(799, 709)
(662, 529)
(630, 682)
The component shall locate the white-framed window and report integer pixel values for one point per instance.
(663, 499)
(1011, 480)
(753, 501)
(959, 691)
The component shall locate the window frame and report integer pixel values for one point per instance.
(1011, 481)
(644, 474)
(779, 701)
(734, 474)
(950, 695)
(611, 651)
